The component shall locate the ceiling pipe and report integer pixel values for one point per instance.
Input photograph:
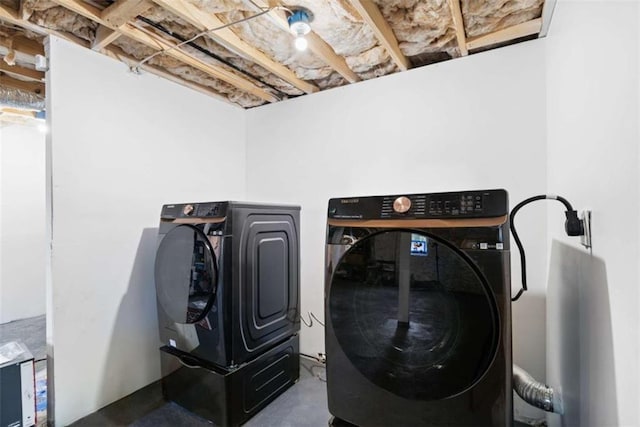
(14, 98)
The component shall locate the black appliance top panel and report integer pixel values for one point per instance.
(459, 204)
(213, 209)
(195, 210)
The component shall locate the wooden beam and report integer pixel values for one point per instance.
(23, 45)
(123, 11)
(33, 87)
(104, 37)
(18, 112)
(547, 12)
(317, 45)
(116, 15)
(22, 12)
(458, 23)
(372, 16)
(118, 54)
(515, 32)
(212, 70)
(11, 16)
(204, 21)
(157, 43)
(22, 71)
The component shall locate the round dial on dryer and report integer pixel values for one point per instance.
(187, 210)
(402, 204)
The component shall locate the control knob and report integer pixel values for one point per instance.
(402, 204)
(187, 210)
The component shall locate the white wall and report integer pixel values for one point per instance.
(22, 225)
(508, 118)
(471, 123)
(592, 115)
(121, 146)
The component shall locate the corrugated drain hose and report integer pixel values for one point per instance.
(535, 393)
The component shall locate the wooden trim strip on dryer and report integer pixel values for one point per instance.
(195, 220)
(419, 223)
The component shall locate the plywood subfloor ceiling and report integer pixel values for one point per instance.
(254, 62)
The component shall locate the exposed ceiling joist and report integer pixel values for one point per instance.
(458, 22)
(23, 45)
(317, 45)
(372, 15)
(215, 71)
(123, 11)
(325, 52)
(33, 87)
(17, 112)
(521, 30)
(22, 12)
(547, 13)
(13, 17)
(205, 22)
(118, 14)
(26, 73)
(104, 37)
(170, 48)
(177, 62)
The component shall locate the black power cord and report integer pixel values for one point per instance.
(573, 227)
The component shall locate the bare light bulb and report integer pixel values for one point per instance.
(301, 43)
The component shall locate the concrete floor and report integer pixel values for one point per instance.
(304, 404)
(32, 332)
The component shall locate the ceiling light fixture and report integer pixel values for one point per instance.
(299, 24)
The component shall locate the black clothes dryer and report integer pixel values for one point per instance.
(227, 285)
(418, 310)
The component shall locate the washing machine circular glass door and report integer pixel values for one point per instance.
(186, 274)
(413, 314)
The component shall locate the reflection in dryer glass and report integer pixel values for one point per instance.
(203, 281)
(422, 327)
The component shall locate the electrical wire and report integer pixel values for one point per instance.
(308, 356)
(257, 6)
(136, 68)
(218, 58)
(512, 226)
(321, 365)
(312, 317)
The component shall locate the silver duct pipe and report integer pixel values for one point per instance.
(14, 98)
(535, 393)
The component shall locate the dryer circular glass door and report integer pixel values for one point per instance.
(413, 314)
(186, 274)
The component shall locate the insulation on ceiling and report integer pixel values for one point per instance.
(421, 26)
(48, 14)
(486, 16)
(424, 29)
(188, 73)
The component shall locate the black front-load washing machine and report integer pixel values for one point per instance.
(418, 310)
(227, 286)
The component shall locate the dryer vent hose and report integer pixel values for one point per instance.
(535, 393)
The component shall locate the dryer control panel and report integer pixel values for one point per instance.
(461, 204)
(195, 210)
